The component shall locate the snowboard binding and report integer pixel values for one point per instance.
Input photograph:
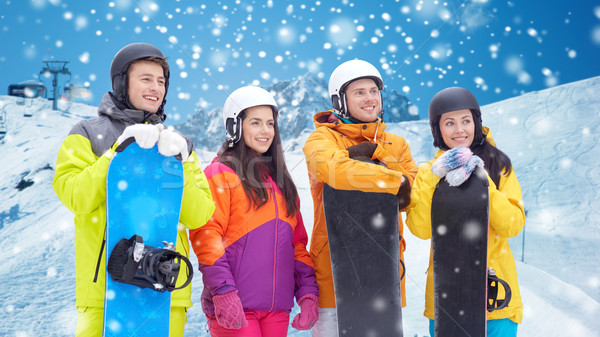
(132, 262)
(493, 302)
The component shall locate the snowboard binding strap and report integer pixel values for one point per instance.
(132, 262)
(493, 302)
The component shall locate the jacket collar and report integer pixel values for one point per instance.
(370, 131)
(110, 107)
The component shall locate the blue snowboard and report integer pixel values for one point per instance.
(143, 195)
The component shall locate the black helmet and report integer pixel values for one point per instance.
(120, 65)
(452, 99)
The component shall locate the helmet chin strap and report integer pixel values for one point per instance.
(233, 130)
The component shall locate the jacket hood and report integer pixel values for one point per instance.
(488, 135)
(112, 108)
(371, 131)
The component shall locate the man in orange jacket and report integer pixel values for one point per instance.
(352, 129)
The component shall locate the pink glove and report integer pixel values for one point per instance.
(229, 311)
(309, 312)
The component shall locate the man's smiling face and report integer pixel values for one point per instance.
(146, 86)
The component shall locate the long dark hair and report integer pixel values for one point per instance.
(252, 170)
(496, 162)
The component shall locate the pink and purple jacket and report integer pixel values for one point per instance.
(261, 252)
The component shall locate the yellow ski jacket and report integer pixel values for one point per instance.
(507, 218)
(328, 162)
(80, 184)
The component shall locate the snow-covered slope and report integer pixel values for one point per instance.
(549, 135)
(36, 231)
(552, 137)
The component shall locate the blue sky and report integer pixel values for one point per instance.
(496, 49)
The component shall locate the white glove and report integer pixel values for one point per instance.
(146, 135)
(170, 143)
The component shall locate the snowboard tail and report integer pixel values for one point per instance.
(459, 220)
(363, 234)
(144, 193)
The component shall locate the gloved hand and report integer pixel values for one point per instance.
(450, 160)
(146, 135)
(229, 311)
(170, 143)
(362, 150)
(456, 165)
(459, 175)
(309, 312)
(403, 194)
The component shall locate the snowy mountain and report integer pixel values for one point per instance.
(298, 101)
(550, 136)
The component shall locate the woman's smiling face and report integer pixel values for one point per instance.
(258, 128)
(457, 128)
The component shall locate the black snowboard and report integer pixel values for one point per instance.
(459, 226)
(362, 229)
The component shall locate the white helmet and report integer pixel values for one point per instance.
(346, 73)
(240, 100)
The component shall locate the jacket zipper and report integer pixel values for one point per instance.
(100, 256)
(275, 247)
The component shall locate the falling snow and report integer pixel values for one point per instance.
(497, 50)
(285, 38)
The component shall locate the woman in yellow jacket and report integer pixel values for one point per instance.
(456, 125)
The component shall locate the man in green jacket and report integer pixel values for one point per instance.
(135, 108)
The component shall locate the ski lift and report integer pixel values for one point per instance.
(77, 92)
(26, 92)
(3, 128)
(55, 68)
(28, 111)
(28, 89)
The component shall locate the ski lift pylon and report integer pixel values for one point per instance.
(3, 128)
(55, 68)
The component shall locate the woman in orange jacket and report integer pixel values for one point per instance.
(457, 129)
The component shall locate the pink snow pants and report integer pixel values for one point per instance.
(260, 324)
